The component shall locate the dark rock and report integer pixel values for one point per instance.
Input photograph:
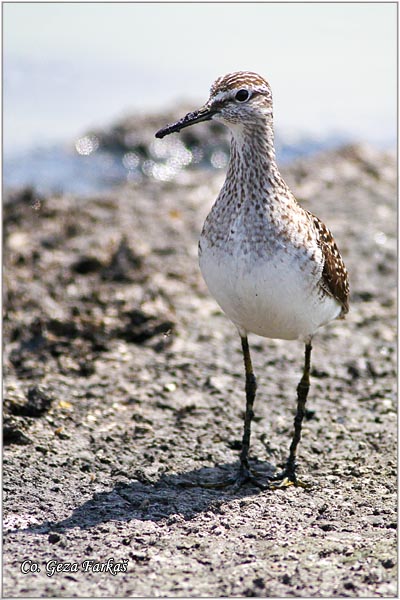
(13, 434)
(141, 326)
(388, 563)
(87, 264)
(39, 402)
(123, 265)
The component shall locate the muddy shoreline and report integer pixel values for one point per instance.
(124, 393)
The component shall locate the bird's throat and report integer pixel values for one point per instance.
(252, 159)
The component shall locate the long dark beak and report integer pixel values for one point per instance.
(203, 114)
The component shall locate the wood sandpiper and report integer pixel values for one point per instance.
(273, 267)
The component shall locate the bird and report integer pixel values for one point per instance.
(273, 267)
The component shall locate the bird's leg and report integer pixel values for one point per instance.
(245, 475)
(251, 388)
(288, 476)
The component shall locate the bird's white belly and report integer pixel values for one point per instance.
(275, 298)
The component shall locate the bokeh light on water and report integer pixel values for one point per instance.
(87, 144)
(162, 160)
(131, 161)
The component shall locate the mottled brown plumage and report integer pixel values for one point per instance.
(334, 279)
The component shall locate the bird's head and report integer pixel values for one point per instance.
(236, 99)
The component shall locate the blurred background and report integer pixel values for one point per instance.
(77, 75)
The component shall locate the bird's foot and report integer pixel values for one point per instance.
(246, 476)
(235, 483)
(286, 479)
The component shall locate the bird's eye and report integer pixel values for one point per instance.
(242, 95)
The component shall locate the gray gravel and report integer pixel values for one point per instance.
(124, 396)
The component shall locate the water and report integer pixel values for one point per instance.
(61, 168)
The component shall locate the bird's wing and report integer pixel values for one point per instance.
(334, 278)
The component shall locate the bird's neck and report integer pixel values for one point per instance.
(252, 157)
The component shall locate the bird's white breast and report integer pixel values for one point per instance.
(275, 296)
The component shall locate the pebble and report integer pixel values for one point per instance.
(170, 387)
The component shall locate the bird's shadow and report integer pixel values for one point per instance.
(183, 495)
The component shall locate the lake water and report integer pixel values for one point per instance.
(60, 168)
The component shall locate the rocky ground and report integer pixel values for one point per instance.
(124, 399)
